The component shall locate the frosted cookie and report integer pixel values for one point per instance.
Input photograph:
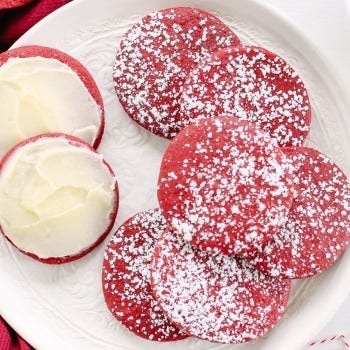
(45, 90)
(58, 198)
(155, 57)
(215, 297)
(253, 84)
(318, 227)
(126, 278)
(224, 185)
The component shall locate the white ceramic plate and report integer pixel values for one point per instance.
(62, 307)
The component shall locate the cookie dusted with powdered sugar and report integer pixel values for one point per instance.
(215, 297)
(224, 185)
(156, 56)
(253, 84)
(125, 278)
(318, 227)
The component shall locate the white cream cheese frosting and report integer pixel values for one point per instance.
(40, 95)
(56, 198)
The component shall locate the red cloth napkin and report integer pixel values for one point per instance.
(9, 340)
(15, 22)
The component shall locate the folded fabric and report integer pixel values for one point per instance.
(9, 4)
(9, 339)
(15, 22)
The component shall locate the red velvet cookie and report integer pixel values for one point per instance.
(155, 57)
(318, 227)
(224, 185)
(59, 198)
(125, 278)
(36, 51)
(253, 84)
(215, 297)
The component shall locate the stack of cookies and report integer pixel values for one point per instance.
(245, 207)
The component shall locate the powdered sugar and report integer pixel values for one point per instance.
(126, 277)
(214, 297)
(253, 84)
(155, 58)
(226, 193)
(318, 227)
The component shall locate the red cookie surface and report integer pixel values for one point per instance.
(215, 297)
(253, 84)
(84, 75)
(154, 59)
(82, 250)
(224, 185)
(318, 227)
(126, 278)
